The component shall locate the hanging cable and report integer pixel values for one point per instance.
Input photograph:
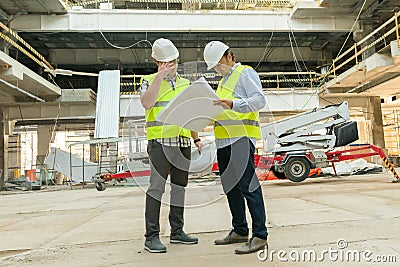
(298, 50)
(296, 63)
(126, 47)
(267, 46)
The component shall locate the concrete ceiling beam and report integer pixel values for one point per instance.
(179, 21)
(19, 76)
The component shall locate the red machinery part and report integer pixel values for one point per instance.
(266, 162)
(122, 175)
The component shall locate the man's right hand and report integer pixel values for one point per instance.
(165, 68)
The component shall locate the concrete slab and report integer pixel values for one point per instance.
(387, 88)
(395, 48)
(377, 74)
(387, 194)
(91, 228)
(27, 80)
(367, 71)
(349, 78)
(374, 207)
(323, 216)
(378, 62)
(107, 226)
(304, 9)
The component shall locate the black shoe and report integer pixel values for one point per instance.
(154, 245)
(183, 238)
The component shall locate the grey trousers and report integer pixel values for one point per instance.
(164, 161)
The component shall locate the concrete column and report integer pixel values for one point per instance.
(374, 114)
(93, 150)
(43, 144)
(3, 149)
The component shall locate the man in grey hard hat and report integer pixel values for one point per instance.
(169, 147)
(236, 131)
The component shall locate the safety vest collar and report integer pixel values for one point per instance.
(234, 67)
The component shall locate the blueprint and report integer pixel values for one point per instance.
(193, 108)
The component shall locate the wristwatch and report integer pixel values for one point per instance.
(196, 140)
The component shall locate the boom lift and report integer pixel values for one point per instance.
(298, 147)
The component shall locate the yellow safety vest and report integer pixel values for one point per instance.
(230, 123)
(156, 129)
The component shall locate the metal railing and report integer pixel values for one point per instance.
(370, 41)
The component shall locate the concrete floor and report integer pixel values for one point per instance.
(90, 228)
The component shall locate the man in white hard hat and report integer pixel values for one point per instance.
(169, 147)
(236, 131)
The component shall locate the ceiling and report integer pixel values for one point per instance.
(11, 8)
(267, 51)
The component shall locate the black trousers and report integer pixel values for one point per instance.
(240, 183)
(164, 161)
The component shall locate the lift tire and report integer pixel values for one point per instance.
(100, 186)
(279, 175)
(297, 169)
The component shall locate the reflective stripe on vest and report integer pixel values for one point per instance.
(230, 123)
(156, 129)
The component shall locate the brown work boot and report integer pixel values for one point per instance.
(254, 244)
(231, 238)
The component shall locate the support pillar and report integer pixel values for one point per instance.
(93, 151)
(43, 144)
(3, 148)
(374, 115)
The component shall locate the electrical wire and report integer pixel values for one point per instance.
(296, 63)
(125, 47)
(297, 48)
(267, 46)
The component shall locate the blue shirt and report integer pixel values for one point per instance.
(251, 98)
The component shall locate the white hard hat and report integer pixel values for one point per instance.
(213, 53)
(164, 50)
